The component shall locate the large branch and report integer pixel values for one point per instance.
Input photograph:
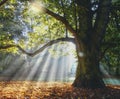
(101, 20)
(41, 48)
(61, 19)
(65, 22)
(2, 2)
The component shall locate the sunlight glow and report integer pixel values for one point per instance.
(45, 68)
(12, 68)
(34, 67)
(37, 7)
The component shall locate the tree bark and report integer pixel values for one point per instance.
(88, 74)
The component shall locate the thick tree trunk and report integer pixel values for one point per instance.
(88, 39)
(88, 74)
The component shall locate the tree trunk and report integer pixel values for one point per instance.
(88, 39)
(88, 74)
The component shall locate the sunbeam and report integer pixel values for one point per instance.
(12, 67)
(36, 7)
(45, 66)
(33, 68)
(36, 66)
(108, 79)
(61, 72)
(29, 68)
(52, 70)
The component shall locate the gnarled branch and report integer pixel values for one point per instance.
(41, 48)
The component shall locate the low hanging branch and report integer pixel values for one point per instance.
(13, 45)
(50, 43)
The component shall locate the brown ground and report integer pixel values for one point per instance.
(42, 90)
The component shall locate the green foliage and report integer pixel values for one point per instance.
(112, 40)
(42, 28)
(65, 8)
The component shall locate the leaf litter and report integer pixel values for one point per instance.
(54, 90)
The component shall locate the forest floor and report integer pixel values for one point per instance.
(53, 90)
